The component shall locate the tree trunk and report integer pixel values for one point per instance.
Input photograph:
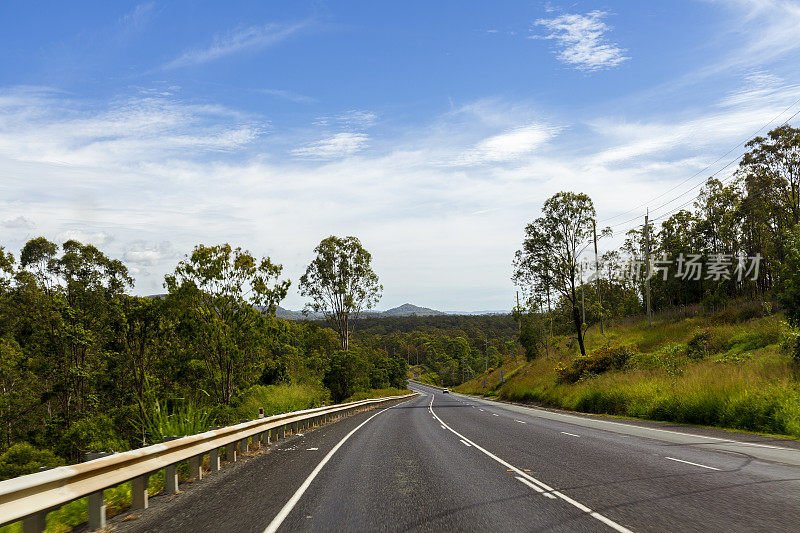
(576, 317)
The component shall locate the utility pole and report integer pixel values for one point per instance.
(549, 310)
(597, 275)
(583, 298)
(647, 258)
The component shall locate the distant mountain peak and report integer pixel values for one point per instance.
(408, 309)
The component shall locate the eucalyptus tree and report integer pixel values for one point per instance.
(220, 293)
(341, 283)
(778, 157)
(551, 251)
(7, 267)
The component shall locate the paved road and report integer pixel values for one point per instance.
(443, 462)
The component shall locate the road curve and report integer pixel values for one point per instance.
(450, 462)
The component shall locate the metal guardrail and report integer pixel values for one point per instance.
(29, 498)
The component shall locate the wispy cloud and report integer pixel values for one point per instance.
(44, 127)
(339, 145)
(98, 239)
(135, 19)
(289, 95)
(777, 23)
(582, 42)
(354, 118)
(509, 145)
(252, 38)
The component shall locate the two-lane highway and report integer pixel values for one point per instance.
(449, 462)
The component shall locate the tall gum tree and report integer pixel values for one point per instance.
(551, 251)
(341, 283)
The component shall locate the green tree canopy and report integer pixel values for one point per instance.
(222, 291)
(341, 283)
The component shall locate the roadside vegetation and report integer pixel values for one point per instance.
(710, 370)
(723, 281)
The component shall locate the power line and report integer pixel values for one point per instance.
(724, 180)
(704, 169)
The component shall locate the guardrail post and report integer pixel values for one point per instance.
(97, 510)
(283, 431)
(213, 459)
(230, 452)
(35, 523)
(196, 467)
(243, 447)
(139, 492)
(171, 479)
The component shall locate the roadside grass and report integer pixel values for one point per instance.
(699, 370)
(491, 378)
(281, 398)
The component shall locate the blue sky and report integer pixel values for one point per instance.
(431, 130)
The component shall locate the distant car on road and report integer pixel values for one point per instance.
(445, 391)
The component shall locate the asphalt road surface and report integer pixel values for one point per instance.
(446, 462)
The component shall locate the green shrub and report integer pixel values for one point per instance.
(186, 419)
(601, 360)
(22, 458)
(93, 434)
(348, 373)
(275, 399)
(620, 356)
(699, 345)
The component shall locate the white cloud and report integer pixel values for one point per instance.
(252, 38)
(143, 254)
(98, 239)
(19, 222)
(510, 145)
(354, 119)
(339, 145)
(45, 127)
(751, 110)
(767, 28)
(582, 43)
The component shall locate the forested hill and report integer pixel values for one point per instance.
(406, 309)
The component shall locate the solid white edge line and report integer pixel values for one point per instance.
(691, 463)
(287, 508)
(607, 521)
(465, 443)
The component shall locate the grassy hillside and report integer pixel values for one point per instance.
(724, 370)
(423, 374)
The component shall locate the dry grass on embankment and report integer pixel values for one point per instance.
(702, 370)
